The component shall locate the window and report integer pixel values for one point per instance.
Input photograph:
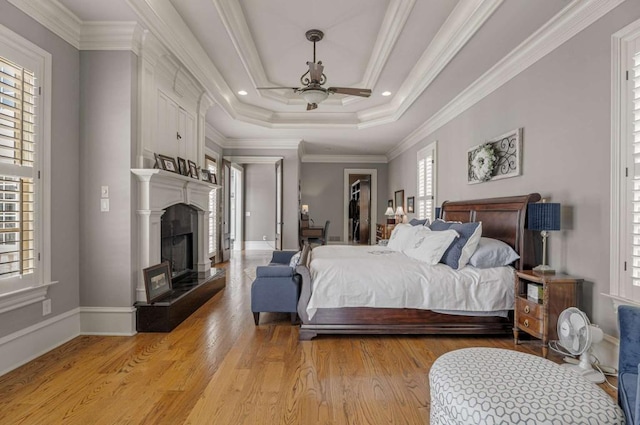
(426, 182)
(17, 119)
(625, 154)
(25, 93)
(211, 165)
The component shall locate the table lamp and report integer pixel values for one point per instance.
(544, 216)
(399, 214)
(389, 214)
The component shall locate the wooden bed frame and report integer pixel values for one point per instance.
(503, 219)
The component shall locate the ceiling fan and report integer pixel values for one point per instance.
(312, 80)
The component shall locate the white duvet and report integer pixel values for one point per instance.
(376, 276)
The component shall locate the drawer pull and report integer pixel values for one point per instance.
(526, 323)
(527, 309)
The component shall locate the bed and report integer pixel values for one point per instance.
(502, 218)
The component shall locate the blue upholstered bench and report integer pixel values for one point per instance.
(277, 285)
(629, 363)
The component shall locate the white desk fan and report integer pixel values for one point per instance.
(576, 334)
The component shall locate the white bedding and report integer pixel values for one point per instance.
(376, 276)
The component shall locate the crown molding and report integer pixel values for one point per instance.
(235, 23)
(344, 159)
(97, 35)
(278, 144)
(463, 22)
(575, 17)
(214, 135)
(54, 16)
(242, 159)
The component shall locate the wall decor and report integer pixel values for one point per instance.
(495, 159)
(182, 166)
(411, 200)
(207, 176)
(398, 198)
(193, 170)
(157, 281)
(169, 164)
(390, 203)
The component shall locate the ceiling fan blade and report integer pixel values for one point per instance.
(315, 71)
(276, 88)
(311, 106)
(350, 91)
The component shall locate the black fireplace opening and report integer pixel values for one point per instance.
(178, 242)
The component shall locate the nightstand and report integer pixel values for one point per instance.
(383, 231)
(539, 318)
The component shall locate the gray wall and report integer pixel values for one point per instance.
(563, 104)
(260, 201)
(323, 190)
(290, 178)
(65, 175)
(108, 82)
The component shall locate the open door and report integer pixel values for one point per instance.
(279, 205)
(365, 208)
(226, 210)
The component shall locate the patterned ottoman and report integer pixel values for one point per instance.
(493, 386)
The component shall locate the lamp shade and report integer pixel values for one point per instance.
(543, 216)
(314, 95)
(389, 211)
(399, 211)
(305, 209)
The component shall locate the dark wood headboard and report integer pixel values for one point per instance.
(502, 218)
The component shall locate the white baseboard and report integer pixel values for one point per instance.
(114, 321)
(25, 345)
(259, 245)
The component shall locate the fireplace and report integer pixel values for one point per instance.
(185, 245)
(178, 240)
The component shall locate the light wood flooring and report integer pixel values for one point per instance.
(218, 368)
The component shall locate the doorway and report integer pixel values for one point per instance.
(360, 205)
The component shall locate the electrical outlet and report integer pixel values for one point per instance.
(46, 307)
(264, 237)
(104, 205)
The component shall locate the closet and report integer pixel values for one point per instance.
(359, 210)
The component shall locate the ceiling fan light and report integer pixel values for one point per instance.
(314, 96)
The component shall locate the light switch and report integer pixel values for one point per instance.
(248, 213)
(104, 191)
(104, 205)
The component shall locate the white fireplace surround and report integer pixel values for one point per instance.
(157, 190)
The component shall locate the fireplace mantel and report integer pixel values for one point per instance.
(157, 190)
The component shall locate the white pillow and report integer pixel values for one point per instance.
(295, 260)
(429, 246)
(492, 253)
(402, 237)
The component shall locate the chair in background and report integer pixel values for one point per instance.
(629, 362)
(323, 239)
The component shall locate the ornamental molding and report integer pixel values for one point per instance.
(345, 159)
(575, 17)
(238, 30)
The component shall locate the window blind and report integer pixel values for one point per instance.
(425, 196)
(211, 165)
(17, 194)
(634, 80)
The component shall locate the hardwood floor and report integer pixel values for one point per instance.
(218, 368)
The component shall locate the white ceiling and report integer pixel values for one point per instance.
(425, 52)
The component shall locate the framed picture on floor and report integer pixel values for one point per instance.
(157, 281)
